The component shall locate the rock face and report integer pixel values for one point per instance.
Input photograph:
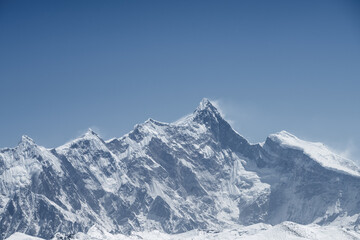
(196, 173)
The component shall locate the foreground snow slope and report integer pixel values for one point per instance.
(22, 236)
(283, 231)
(195, 173)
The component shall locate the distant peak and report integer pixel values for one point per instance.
(207, 105)
(317, 151)
(283, 137)
(90, 134)
(205, 109)
(152, 121)
(26, 141)
(90, 131)
(283, 133)
(204, 103)
(25, 138)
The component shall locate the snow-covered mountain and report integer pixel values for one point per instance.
(196, 174)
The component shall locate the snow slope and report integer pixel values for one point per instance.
(283, 231)
(317, 151)
(22, 236)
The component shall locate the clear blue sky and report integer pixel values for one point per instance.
(272, 65)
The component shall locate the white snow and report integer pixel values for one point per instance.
(283, 231)
(184, 121)
(22, 163)
(22, 236)
(317, 151)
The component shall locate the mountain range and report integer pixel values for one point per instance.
(195, 174)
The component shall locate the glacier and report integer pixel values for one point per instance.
(191, 178)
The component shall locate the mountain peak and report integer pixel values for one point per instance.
(90, 134)
(205, 109)
(161, 178)
(318, 152)
(287, 139)
(282, 136)
(206, 104)
(26, 140)
(158, 123)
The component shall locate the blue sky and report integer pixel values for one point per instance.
(271, 65)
